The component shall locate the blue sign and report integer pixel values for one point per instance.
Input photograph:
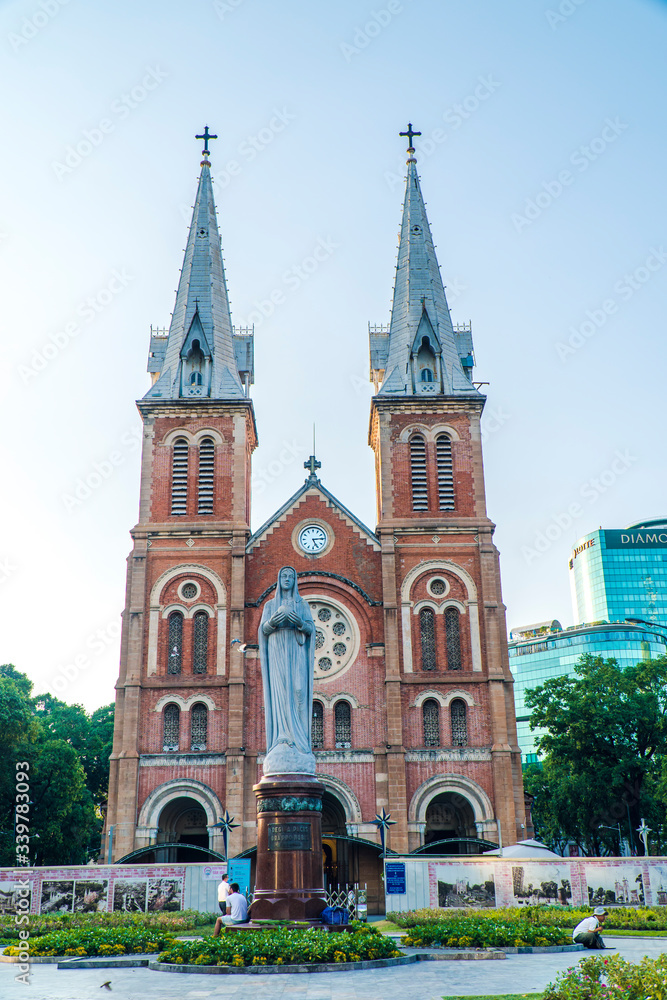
(239, 871)
(395, 877)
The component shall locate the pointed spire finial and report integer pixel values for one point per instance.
(410, 134)
(312, 464)
(206, 137)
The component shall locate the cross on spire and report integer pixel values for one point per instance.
(410, 136)
(206, 136)
(312, 465)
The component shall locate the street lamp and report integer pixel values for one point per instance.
(616, 829)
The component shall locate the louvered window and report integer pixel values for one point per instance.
(418, 472)
(443, 447)
(427, 635)
(198, 727)
(431, 718)
(179, 477)
(453, 634)
(343, 723)
(172, 723)
(175, 643)
(317, 737)
(206, 473)
(200, 643)
(459, 723)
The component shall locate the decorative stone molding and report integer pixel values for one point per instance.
(185, 704)
(179, 788)
(289, 803)
(345, 756)
(345, 796)
(457, 785)
(182, 760)
(435, 756)
(430, 433)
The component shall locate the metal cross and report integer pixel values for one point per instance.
(410, 135)
(207, 135)
(227, 823)
(312, 465)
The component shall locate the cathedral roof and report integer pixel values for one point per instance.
(313, 485)
(201, 316)
(419, 310)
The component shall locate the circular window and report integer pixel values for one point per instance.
(437, 586)
(189, 590)
(336, 637)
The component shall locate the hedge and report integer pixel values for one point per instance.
(620, 918)
(95, 941)
(176, 922)
(465, 931)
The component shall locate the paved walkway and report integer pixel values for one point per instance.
(425, 981)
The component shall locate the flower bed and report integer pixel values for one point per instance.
(95, 941)
(459, 930)
(282, 947)
(597, 978)
(168, 923)
(620, 918)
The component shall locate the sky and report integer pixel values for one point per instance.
(542, 163)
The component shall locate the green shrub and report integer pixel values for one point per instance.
(459, 929)
(96, 941)
(282, 947)
(620, 918)
(597, 978)
(179, 922)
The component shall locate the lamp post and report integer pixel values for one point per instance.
(616, 829)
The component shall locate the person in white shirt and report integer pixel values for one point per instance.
(237, 909)
(224, 890)
(587, 931)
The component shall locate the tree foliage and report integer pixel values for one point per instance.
(605, 750)
(67, 751)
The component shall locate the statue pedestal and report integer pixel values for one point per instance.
(289, 882)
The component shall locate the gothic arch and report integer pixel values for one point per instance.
(345, 796)
(192, 437)
(456, 784)
(430, 433)
(440, 565)
(155, 611)
(425, 695)
(149, 814)
(185, 704)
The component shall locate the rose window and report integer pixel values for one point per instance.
(336, 638)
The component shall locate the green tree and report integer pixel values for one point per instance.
(604, 749)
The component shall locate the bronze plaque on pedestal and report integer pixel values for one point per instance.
(293, 837)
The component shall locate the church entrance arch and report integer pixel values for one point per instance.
(449, 817)
(183, 821)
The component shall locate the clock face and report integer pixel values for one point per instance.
(312, 538)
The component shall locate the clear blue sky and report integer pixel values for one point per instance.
(544, 173)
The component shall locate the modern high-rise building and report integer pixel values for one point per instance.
(540, 652)
(620, 574)
(413, 709)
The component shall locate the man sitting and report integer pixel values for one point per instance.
(237, 909)
(587, 932)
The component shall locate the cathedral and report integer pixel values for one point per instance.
(413, 707)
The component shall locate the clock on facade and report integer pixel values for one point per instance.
(312, 538)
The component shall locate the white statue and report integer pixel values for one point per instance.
(287, 654)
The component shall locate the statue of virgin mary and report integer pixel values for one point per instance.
(287, 653)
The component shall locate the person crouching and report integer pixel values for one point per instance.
(587, 932)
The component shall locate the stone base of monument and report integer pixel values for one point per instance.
(289, 880)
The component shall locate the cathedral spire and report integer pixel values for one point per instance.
(198, 358)
(423, 353)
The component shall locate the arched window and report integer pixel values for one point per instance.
(426, 375)
(459, 723)
(206, 476)
(179, 477)
(418, 472)
(317, 738)
(343, 723)
(431, 719)
(198, 727)
(195, 378)
(175, 643)
(427, 634)
(200, 643)
(171, 727)
(453, 634)
(443, 451)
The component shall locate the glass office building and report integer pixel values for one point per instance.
(539, 652)
(620, 574)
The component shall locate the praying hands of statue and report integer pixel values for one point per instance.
(282, 618)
